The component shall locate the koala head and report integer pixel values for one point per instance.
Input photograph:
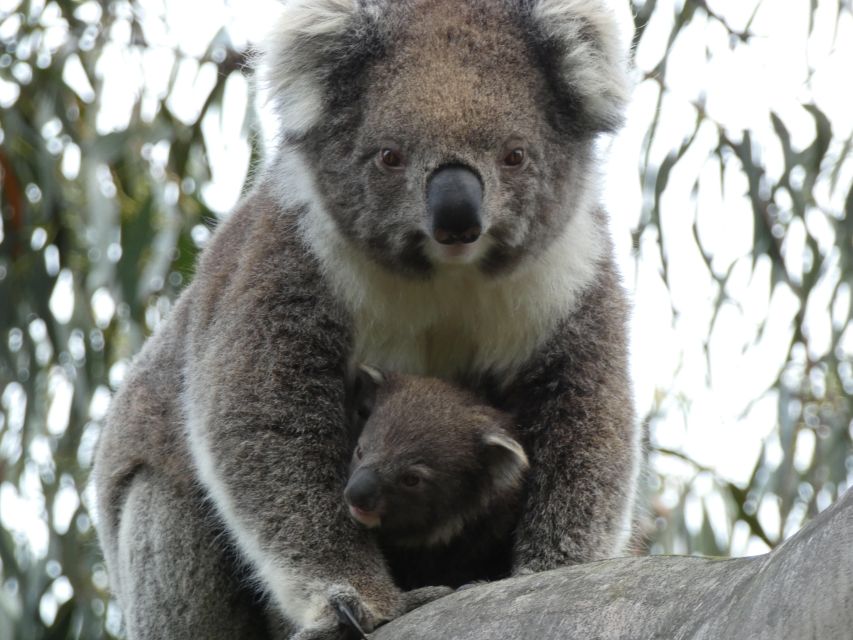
(429, 457)
(440, 132)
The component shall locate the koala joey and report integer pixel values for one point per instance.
(429, 205)
(437, 476)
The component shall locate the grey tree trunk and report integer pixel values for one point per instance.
(803, 589)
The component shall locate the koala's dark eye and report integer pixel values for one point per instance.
(410, 480)
(514, 158)
(391, 158)
(358, 452)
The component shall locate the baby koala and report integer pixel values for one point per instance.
(438, 475)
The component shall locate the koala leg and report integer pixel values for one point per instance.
(177, 578)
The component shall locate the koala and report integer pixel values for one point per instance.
(437, 475)
(429, 205)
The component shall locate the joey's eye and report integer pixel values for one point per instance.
(410, 480)
(390, 158)
(514, 158)
(358, 452)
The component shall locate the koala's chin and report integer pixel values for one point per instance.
(457, 254)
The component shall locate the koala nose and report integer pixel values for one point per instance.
(454, 195)
(363, 490)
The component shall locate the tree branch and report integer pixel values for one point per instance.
(802, 589)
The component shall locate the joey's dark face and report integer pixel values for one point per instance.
(430, 456)
(411, 483)
(454, 150)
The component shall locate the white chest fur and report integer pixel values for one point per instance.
(459, 321)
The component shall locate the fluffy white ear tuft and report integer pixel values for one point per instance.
(289, 64)
(374, 374)
(594, 54)
(507, 461)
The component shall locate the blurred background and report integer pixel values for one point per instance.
(127, 132)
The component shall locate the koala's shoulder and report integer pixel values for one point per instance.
(259, 233)
(257, 260)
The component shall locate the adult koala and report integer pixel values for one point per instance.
(431, 209)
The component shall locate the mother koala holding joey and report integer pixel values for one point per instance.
(431, 209)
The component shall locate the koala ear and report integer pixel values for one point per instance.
(310, 40)
(361, 396)
(370, 375)
(588, 47)
(506, 460)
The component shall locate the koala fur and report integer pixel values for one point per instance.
(225, 452)
(438, 477)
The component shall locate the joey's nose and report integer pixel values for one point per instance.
(454, 195)
(363, 490)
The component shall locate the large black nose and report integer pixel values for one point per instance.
(363, 490)
(454, 195)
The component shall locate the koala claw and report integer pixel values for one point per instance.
(347, 617)
(352, 613)
(351, 619)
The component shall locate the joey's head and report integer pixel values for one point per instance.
(440, 132)
(429, 458)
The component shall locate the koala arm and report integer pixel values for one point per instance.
(574, 409)
(264, 404)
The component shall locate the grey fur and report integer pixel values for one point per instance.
(172, 564)
(232, 421)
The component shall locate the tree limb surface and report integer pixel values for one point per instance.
(801, 590)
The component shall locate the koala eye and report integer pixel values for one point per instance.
(390, 158)
(514, 158)
(410, 480)
(358, 452)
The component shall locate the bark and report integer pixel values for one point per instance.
(802, 589)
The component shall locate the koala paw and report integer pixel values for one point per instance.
(349, 616)
(419, 597)
(348, 623)
(471, 585)
(351, 611)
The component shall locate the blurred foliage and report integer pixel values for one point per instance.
(100, 230)
(102, 217)
(802, 224)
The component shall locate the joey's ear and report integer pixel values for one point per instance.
(374, 375)
(506, 459)
(361, 396)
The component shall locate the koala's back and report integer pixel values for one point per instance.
(167, 545)
(145, 430)
(142, 430)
